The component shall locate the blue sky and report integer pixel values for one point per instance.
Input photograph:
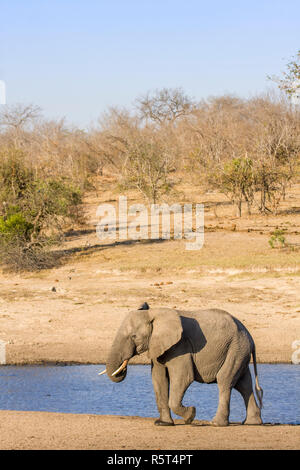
(75, 58)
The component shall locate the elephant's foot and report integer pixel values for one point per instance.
(190, 415)
(254, 420)
(159, 422)
(219, 422)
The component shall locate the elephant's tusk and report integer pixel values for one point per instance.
(123, 366)
(103, 372)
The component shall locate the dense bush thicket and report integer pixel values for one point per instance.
(34, 211)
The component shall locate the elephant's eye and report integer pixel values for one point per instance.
(133, 336)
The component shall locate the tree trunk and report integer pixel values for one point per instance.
(239, 208)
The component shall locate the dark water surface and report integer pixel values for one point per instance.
(79, 389)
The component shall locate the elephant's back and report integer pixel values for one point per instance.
(217, 322)
(214, 317)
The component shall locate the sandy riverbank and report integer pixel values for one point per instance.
(37, 430)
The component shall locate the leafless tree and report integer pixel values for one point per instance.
(164, 106)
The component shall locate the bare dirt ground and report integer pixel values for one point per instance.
(71, 314)
(39, 430)
(77, 322)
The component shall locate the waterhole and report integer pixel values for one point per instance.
(79, 389)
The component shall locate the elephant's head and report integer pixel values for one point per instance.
(154, 330)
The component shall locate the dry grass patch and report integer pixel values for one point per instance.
(221, 251)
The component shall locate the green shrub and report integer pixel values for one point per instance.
(15, 226)
(277, 238)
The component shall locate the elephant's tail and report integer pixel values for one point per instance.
(259, 391)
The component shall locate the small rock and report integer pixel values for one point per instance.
(53, 289)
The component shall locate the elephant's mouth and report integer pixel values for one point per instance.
(121, 370)
(119, 374)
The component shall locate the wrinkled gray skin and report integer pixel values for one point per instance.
(206, 346)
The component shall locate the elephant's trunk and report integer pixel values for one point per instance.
(116, 366)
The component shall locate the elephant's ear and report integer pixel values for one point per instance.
(166, 331)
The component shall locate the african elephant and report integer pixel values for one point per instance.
(207, 346)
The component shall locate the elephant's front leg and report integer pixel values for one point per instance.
(160, 382)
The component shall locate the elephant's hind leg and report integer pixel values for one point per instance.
(226, 378)
(180, 379)
(222, 416)
(244, 386)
